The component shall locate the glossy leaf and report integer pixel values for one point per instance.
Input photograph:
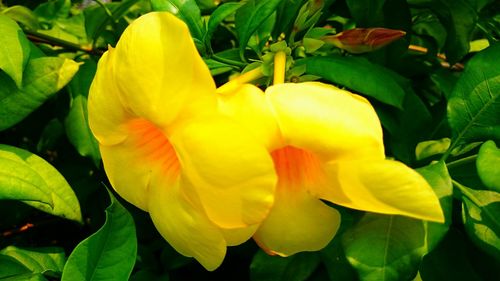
(22, 15)
(221, 13)
(480, 211)
(430, 148)
(274, 268)
(397, 244)
(487, 162)
(43, 78)
(10, 267)
(359, 75)
(251, 16)
(38, 260)
(14, 50)
(76, 122)
(108, 254)
(474, 106)
(28, 178)
(187, 10)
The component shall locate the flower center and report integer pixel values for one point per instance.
(297, 168)
(154, 147)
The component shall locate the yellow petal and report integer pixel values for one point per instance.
(237, 236)
(158, 71)
(330, 122)
(384, 186)
(233, 175)
(248, 106)
(180, 221)
(297, 222)
(106, 112)
(129, 165)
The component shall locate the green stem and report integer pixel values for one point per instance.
(43, 38)
(228, 61)
(461, 161)
(465, 191)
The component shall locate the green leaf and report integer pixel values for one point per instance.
(222, 12)
(76, 122)
(360, 75)
(28, 178)
(14, 50)
(10, 267)
(459, 19)
(108, 254)
(43, 77)
(38, 260)
(286, 13)
(487, 160)
(22, 15)
(187, 10)
(427, 24)
(397, 244)
(474, 106)
(274, 268)
(53, 10)
(250, 17)
(480, 209)
(430, 148)
(96, 18)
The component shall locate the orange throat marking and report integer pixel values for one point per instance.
(297, 168)
(154, 147)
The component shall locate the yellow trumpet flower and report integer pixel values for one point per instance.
(166, 149)
(326, 143)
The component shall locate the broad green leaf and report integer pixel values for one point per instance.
(26, 277)
(10, 267)
(76, 122)
(53, 10)
(187, 10)
(274, 268)
(108, 254)
(221, 13)
(337, 266)
(250, 17)
(474, 106)
(397, 244)
(28, 178)
(459, 19)
(14, 50)
(43, 78)
(427, 24)
(38, 260)
(480, 209)
(367, 13)
(50, 136)
(360, 75)
(22, 15)
(487, 165)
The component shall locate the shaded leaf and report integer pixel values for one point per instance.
(43, 77)
(274, 268)
(76, 122)
(108, 254)
(38, 260)
(360, 75)
(397, 244)
(22, 15)
(221, 13)
(286, 13)
(250, 17)
(474, 106)
(14, 50)
(487, 162)
(10, 267)
(28, 178)
(480, 211)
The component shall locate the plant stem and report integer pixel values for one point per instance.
(444, 63)
(461, 161)
(38, 37)
(244, 78)
(228, 61)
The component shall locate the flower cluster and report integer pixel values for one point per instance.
(215, 167)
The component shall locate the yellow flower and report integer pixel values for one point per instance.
(326, 144)
(167, 150)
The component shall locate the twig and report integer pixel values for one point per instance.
(419, 49)
(38, 37)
